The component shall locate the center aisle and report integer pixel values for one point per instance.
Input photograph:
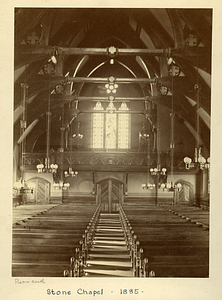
(109, 255)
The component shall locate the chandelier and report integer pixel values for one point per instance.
(61, 185)
(148, 186)
(111, 86)
(160, 177)
(200, 162)
(47, 168)
(171, 186)
(161, 174)
(71, 173)
(20, 185)
(77, 136)
(144, 135)
(157, 171)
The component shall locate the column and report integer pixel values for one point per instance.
(110, 195)
(121, 196)
(98, 194)
(23, 124)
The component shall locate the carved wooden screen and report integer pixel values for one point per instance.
(110, 193)
(185, 193)
(104, 197)
(42, 192)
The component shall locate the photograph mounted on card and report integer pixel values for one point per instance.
(112, 149)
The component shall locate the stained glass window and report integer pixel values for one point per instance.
(98, 124)
(123, 128)
(111, 130)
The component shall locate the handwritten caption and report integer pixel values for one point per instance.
(19, 281)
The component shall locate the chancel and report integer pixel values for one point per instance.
(112, 113)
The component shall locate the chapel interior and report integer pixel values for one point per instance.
(111, 153)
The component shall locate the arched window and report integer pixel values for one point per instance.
(111, 128)
(123, 127)
(98, 124)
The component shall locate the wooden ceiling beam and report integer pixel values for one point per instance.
(109, 51)
(52, 79)
(179, 81)
(58, 97)
(132, 112)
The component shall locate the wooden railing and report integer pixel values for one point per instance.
(139, 264)
(100, 159)
(78, 262)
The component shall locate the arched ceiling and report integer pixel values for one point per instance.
(181, 35)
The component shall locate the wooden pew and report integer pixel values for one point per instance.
(42, 245)
(174, 246)
(195, 214)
